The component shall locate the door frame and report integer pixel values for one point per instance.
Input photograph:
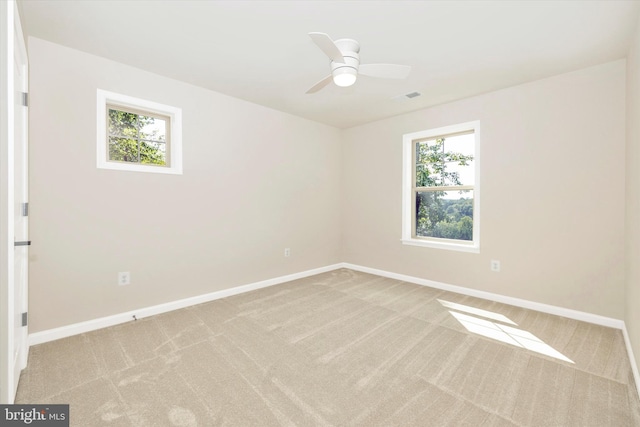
(10, 28)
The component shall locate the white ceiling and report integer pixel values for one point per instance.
(259, 50)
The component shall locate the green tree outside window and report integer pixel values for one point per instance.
(137, 138)
(442, 213)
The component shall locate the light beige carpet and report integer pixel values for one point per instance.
(340, 349)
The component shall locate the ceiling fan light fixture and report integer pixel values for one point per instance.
(344, 76)
(345, 63)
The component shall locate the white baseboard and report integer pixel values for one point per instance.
(531, 305)
(116, 319)
(632, 359)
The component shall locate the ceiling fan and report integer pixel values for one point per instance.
(345, 63)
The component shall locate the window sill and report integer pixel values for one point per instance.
(135, 167)
(460, 247)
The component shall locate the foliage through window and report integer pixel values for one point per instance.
(137, 137)
(440, 186)
(443, 163)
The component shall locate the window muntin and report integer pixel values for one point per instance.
(137, 137)
(440, 194)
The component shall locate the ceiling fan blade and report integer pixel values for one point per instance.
(322, 83)
(386, 71)
(324, 42)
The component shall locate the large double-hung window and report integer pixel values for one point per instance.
(441, 188)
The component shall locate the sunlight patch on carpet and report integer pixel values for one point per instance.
(507, 334)
(477, 311)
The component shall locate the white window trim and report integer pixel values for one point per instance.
(407, 184)
(105, 98)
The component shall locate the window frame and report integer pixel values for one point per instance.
(409, 190)
(106, 100)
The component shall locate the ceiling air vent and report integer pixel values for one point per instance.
(412, 95)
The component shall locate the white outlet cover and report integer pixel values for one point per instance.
(124, 278)
(495, 265)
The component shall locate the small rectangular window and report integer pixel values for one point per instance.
(440, 188)
(138, 135)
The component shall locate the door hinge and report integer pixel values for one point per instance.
(24, 319)
(23, 243)
(24, 99)
(25, 209)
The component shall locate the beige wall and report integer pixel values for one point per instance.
(632, 223)
(552, 185)
(255, 181)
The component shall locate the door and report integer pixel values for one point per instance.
(13, 193)
(20, 198)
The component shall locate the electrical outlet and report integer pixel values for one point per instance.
(124, 278)
(495, 265)
(287, 252)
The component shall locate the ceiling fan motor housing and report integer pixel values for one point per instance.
(349, 49)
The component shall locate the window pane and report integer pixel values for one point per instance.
(154, 153)
(424, 176)
(153, 129)
(123, 124)
(429, 151)
(445, 214)
(445, 161)
(461, 144)
(123, 149)
(458, 173)
(445, 174)
(432, 175)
